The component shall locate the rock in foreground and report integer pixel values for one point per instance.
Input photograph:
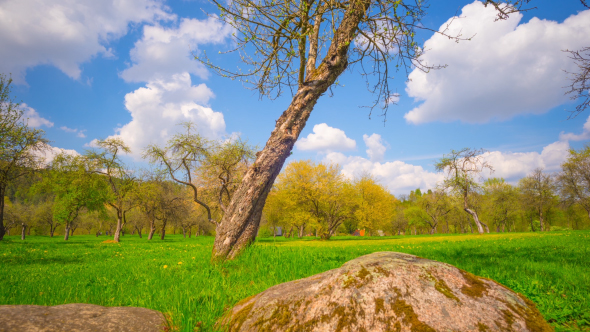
(79, 317)
(387, 291)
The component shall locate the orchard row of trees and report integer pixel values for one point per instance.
(194, 179)
(191, 181)
(188, 189)
(316, 198)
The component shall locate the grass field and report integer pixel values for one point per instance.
(175, 276)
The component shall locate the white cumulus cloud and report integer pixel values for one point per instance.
(33, 118)
(49, 154)
(326, 139)
(375, 147)
(66, 33)
(163, 52)
(515, 165)
(400, 177)
(506, 69)
(159, 107)
(162, 58)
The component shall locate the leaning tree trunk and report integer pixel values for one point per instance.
(239, 225)
(138, 231)
(476, 219)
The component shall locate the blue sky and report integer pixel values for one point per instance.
(94, 69)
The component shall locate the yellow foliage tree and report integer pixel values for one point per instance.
(375, 205)
(312, 194)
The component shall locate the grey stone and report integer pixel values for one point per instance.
(79, 317)
(387, 291)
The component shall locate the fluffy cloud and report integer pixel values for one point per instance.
(397, 176)
(505, 70)
(375, 147)
(66, 33)
(52, 151)
(162, 58)
(326, 139)
(33, 118)
(161, 105)
(513, 166)
(163, 52)
(400, 177)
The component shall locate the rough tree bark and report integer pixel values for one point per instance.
(240, 223)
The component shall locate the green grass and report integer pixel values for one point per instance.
(552, 269)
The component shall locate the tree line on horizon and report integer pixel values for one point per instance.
(193, 180)
(312, 198)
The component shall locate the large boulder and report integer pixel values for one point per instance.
(387, 291)
(79, 317)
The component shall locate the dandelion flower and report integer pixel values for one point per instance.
(179, 263)
(165, 266)
(193, 258)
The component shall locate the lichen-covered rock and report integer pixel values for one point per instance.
(387, 291)
(79, 317)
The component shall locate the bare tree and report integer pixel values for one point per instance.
(580, 80)
(462, 167)
(120, 179)
(303, 47)
(183, 154)
(436, 205)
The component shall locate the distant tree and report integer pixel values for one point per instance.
(211, 169)
(182, 155)
(399, 222)
(170, 205)
(120, 180)
(374, 204)
(223, 168)
(316, 193)
(21, 146)
(538, 192)
(74, 187)
(290, 199)
(147, 198)
(436, 206)
(502, 203)
(43, 215)
(461, 168)
(19, 214)
(574, 179)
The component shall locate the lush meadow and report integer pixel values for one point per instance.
(175, 276)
